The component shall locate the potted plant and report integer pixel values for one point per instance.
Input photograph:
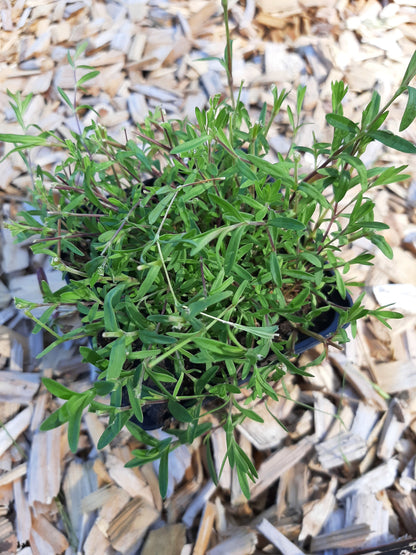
(197, 266)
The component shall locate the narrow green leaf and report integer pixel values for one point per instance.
(66, 98)
(210, 463)
(87, 77)
(74, 426)
(312, 258)
(393, 141)
(239, 292)
(275, 269)
(44, 318)
(228, 209)
(164, 473)
(286, 223)
(26, 140)
(80, 49)
(117, 358)
(54, 420)
(75, 407)
(382, 244)
(299, 98)
(150, 337)
(141, 435)
(371, 110)
(391, 175)
(113, 429)
(389, 314)
(277, 171)
(342, 123)
(57, 389)
(242, 480)
(160, 207)
(232, 250)
(202, 304)
(190, 145)
(409, 113)
(265, 332)
(103, 388)
(179, 412)
(359, 166)
(110, 320)
(148, 281)
(410, 72)
(340, 284)
(208, 236)
(217, 347)
(206, 378)
(248, 413)
(310, 190)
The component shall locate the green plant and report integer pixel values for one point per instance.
(195, 263)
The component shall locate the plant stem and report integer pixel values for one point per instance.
(228, 52)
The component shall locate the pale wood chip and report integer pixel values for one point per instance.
(397, 420)
(128, 528)
(205, 529)
(172, 535)
(23, 515)
(272, 534)
(50, 534)
(44, 469)
(96, 499)
(278, 463)
(14, 257)
(18, 387)
(13, 475)
(12, 429)
(244, 541)
(79, 481)
(349, 537)
(358, 380)
(97, 542)
(198, 503)
(365, 508)
(405, 507)
(341, 449)
(373, 481)
(8, 539)
(316, 513)
(128, 479)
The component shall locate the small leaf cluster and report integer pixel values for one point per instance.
(195, 263)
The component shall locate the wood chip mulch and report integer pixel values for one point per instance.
(337, 479)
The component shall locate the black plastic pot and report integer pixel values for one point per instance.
(327, 325)
(156, 415)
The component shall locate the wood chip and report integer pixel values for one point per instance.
(278, 463)
(373, 481)
(343, 448)
(127, 479)
(44, 470)
(53, 537)
(168, 539)
(128, 528)
(358, 380)
(18, 387)
(12, 429)
(352, 536)
(205, 529)
(271, 533)
(316, 513)
(244, 541)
